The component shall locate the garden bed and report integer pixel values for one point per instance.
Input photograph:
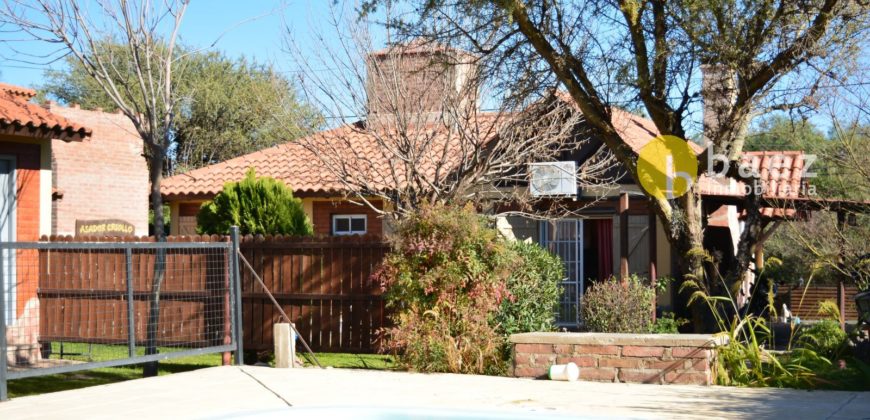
(635, 358)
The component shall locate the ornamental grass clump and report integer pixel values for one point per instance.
(746, 358)
(456, 290)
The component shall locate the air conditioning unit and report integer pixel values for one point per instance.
(553, 179)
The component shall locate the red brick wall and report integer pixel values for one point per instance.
(651, 362)
(324, 210)
(102, 177)
(27, 158)
(416, 82)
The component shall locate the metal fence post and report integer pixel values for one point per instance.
(131, 322)
(4, 392)
(237, 288)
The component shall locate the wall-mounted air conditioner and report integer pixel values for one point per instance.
(553, 179)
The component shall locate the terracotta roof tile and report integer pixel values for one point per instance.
(301, 169)
(781, 175)
(20, 117)
(17, 90)
(296, 163)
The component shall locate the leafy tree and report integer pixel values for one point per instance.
(227, 107)
(780, 132)
(767, 54)
(257, 206)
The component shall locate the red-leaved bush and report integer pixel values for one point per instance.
(444, 282)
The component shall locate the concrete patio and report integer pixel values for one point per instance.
(228, 391)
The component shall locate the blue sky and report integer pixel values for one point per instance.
(254, 29)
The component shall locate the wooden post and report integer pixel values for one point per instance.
(623, 236)
(226, 357)
(653, 254)
(285, 347)
(841, 284)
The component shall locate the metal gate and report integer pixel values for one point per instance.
(131, 302)
(565, 238)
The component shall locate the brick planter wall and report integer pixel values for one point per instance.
(636, 358)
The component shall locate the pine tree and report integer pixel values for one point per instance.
(257, 206)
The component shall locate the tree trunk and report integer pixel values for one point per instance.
(692, 253)
(156, 176)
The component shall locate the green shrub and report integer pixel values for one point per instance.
(615, 306)
(534, 289)
(257, 206)
(824, 337)
(668, 324)
(444, 281)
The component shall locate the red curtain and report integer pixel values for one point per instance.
(605, 248)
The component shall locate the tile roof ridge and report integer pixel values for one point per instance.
(16, 90)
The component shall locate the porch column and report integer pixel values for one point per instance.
(623, 236)
(653, 252)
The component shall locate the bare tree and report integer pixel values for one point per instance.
(410, 129)
(768, 55)
(138, 77)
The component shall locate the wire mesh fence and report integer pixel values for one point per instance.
(117, 303)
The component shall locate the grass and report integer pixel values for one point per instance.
(99, 352)
(353, 361)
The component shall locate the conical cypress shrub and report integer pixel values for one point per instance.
(257, 205)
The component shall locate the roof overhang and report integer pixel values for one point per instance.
(793, 203)
(43, 131)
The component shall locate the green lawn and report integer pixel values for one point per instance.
(99, 352)
(352, 361)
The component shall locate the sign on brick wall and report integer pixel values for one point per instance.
(107, 227)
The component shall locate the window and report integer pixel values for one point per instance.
(348, 224)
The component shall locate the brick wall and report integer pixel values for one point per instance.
(635, 358)
(324, 210)
(102, 177)
(418, 82)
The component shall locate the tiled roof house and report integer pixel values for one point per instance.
(27, 132)
(589, 246)
(58, 166)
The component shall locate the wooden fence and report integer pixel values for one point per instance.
(804, 302)
(83, 296)
(323, 283)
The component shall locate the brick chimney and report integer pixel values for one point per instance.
(718, 93)
(419, 78)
